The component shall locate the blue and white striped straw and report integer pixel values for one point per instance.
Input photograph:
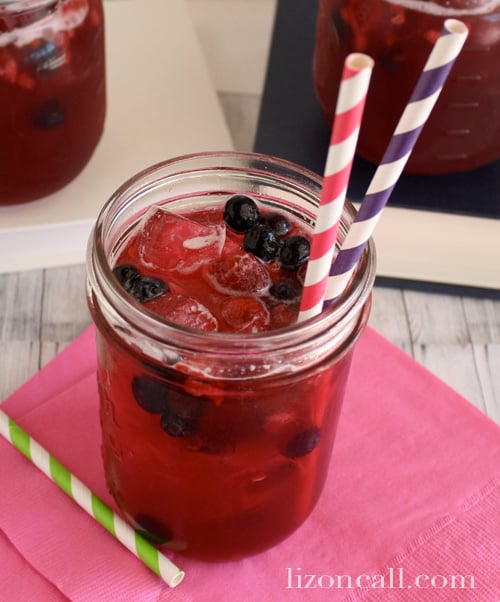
(413, 119)
(75, 489)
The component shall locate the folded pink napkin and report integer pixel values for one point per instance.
(411, 502)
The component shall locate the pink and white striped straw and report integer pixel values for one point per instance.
(414, 117)
(345, 130)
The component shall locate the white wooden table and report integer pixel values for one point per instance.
(456, 337)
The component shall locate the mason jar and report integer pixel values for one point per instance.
(261, 409)
(52, 93)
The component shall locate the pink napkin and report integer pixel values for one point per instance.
(411, 500)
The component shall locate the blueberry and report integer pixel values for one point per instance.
(46, 56)
(294, 253)
(153, 529)
(302, 443)
(126, 274)
(177, 426)
(241, 213)
(184, 405)
(146, 288)
(179, 411)
(262, 242)
(278, 222)
(286, 290)
(49, 115)
(150, 393)
(179, 418)
(158, 396)
(142, 288)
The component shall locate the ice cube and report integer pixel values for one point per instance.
(173, 242)
(245, 314)
(237, 274)
(183, 310)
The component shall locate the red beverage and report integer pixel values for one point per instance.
(463, 131)
(213, 282)
(52, 93)
(218, 410)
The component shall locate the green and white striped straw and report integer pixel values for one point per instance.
(87, 500)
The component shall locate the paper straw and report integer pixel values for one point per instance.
(416, 113)
(345, 130)
(87, 500)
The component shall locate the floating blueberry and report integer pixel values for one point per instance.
(177, 426)
(241, 213)
(278, 222)
(49, 115)
(185, 405)
(294, 253)
(46, 56)
(262, 242)
(150, 393)
(142, 288)
(157, 396)
(302, 443)
(179, 411)
(286, 290)
(146, 288)
(126, 274)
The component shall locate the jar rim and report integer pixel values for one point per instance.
(100, 269)
(28, 4)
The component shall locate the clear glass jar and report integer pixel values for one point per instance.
(463, 131)
(265, 406)
(52, 93)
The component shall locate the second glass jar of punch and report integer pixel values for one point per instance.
(463, 131)
(52, 93)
